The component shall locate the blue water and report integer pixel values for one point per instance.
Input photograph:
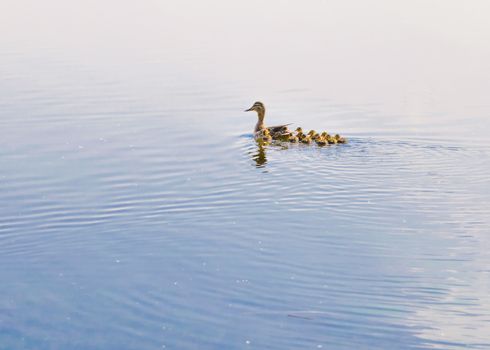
(138, 212)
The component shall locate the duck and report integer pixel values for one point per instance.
(278, 132)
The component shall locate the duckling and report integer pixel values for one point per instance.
(293, 139)
(267, 135)
(321, 141)
(285, 136)
(299, 133)
(263, 136)
(331, 139)
(306, 140)
(313, 134)
(340, 139)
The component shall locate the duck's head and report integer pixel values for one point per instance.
(258, 107)
(299, 130)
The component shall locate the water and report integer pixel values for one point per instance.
(138, 213)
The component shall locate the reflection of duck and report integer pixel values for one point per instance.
(260, 157)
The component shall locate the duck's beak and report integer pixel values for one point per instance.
(248, 110)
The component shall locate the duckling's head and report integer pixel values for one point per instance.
(298, 129)
(311, 132)
(324, 134)
(257, 107)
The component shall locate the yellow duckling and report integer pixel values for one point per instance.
(300, 135)
(299, 132)
(340, 139)
(263, 136)
(306, 140)
(321, 141)
(293, 139)
(267, 135)
(331, 139)
(285, 136)
(313, 134)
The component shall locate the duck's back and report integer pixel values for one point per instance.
(278, 128)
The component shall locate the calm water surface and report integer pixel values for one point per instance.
(138, 213)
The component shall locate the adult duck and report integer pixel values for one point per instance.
(277, 132)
